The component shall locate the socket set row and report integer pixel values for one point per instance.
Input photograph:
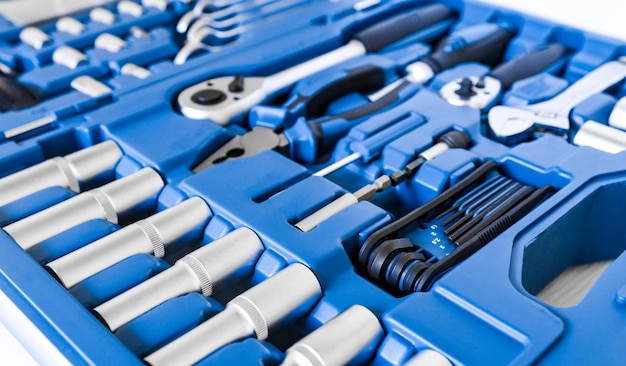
(308, 182)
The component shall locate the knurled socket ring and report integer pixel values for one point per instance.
(151, 232)
(257, 319)
(206, 285)
(106, 204)
(68, 173)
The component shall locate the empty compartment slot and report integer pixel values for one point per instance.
(561, 265)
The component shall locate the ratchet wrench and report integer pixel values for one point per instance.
(228, 98)
(515, 124)
(482, 92)
(306, 137)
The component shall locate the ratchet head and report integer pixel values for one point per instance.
(472, 91)
(222, 99)
(512, 125)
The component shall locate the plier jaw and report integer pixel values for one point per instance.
(251, 143)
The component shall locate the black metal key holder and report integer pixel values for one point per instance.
(410, 253)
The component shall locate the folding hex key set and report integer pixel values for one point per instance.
(308, 182)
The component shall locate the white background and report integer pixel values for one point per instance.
(606, 17)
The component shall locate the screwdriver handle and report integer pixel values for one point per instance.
(528, 64)
(493, 40)
(385, 33)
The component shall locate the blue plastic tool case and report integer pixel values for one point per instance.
(482, 311)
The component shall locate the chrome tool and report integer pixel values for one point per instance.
(289, 294)
(72, 171)
(228, 258)
(153, 235)
(514, 124)
(108, 202)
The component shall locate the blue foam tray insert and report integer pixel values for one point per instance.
(484, 310)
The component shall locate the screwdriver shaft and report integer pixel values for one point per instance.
(445, 142)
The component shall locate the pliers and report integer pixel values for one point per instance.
(308, 137)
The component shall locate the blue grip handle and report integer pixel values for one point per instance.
(478, 44)
(385, 33)
(371, 147)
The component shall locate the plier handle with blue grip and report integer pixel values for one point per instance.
(305, 138)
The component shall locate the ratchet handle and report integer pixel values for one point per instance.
(479, 50)
(385, 33)
(528, 64)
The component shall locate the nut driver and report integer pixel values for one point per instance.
(228, 98)
(482, 92)
(452, 139)
(409, 254)
(512, 125)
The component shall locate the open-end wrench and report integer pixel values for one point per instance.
(515, 124)
(233, 16)
(217, 33)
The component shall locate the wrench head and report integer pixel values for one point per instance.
(513, 124)
(221, 99)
